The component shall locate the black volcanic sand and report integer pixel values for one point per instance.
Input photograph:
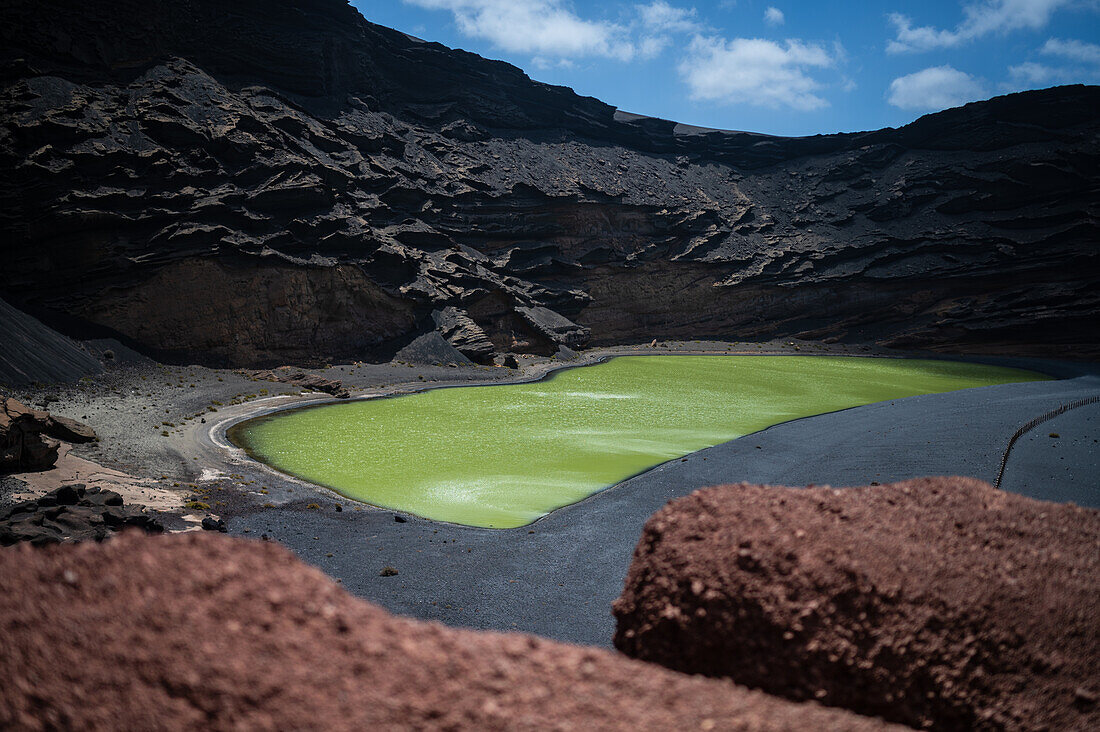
(558, 577)
(136, 401)
(1059, 459)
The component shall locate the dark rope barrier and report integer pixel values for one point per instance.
(1035, 423)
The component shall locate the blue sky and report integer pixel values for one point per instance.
(795, 67)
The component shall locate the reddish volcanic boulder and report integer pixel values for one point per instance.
(69, 430)
(23, 446)
(937, 602)
(200, 631)
(27, 436)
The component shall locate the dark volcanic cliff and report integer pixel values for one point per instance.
(263, 182)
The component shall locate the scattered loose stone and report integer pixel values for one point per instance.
(212, 524)
(297, 377)
(72, 513)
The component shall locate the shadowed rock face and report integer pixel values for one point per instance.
(312, 186)
(938, 602)
(187, 631)
(29, 437)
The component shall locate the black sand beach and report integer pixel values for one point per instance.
(557, 577)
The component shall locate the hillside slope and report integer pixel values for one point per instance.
(284, 181)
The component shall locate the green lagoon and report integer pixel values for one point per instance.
(502, 456)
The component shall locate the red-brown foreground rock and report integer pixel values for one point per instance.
(23, 444)
(203, 631)
(934, 602)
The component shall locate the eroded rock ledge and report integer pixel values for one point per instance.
(187, 631)
(937, 602)
(30, 438)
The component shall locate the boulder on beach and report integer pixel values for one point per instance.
(69, 430)
(459, 329)
(23, 446)
(200, 630)
(555, 327)
(302, 379)
(938, 602)
(72, 513)
(27, 436)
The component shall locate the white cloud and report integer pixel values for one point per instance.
(1031, 74)
(551, 30)
(773, 16)
(662, 17)
(1085, 53)
(545, 28)
(1083, 59)
(980, 19)
(755, 71)
(935, 88)
(658, 21)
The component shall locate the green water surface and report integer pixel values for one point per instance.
(502, 456)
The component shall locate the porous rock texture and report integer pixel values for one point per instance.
(281, 181)
(202, 631)
(937, 602)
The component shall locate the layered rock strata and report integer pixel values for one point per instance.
(285, 182)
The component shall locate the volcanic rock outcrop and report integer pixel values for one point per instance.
(938, 602)
(297, 377)
(199, 630)
(283, 181)
(29, 438)
(72, 513)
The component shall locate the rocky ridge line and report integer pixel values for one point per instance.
(315, 187)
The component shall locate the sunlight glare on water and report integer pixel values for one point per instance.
(502, 456)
